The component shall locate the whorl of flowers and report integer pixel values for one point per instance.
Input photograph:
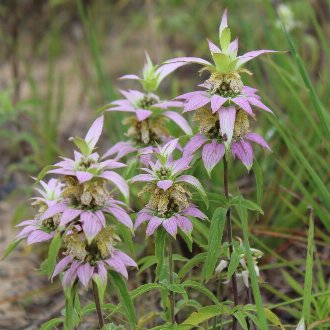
(148, 125)
(224, 108)
(170, 199)
(242, 272)
(76, 206)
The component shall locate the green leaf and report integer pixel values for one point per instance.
(51, 324)
(242, 211)
(205, 314)
(234, 262)
(43, 172)
(82, 146)
(222, 62)
(309, 271)
(240, 201)
(191, 263)
(259, 181)
(125, 298)
(160, 245)
(201, 288)
(225, 39)
(53, 252)
(241, 319)
(273, 318)
(214, 242)
(10, 248)
(177, 288)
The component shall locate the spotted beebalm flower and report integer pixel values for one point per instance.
(214, 142)
(242, 272)
(166, 173)
(225, 57)
(87, 164)
(147, 127)
(41, 229)
(85, 259)
(170, 221)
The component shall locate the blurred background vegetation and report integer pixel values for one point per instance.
(60, 60)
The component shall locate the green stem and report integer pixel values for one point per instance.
(170, 262)
(230, 236)
(98, 305)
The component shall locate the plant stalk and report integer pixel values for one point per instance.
(170, 262)
(98, 305)
(230, 236)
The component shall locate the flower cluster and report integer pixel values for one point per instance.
(224, 108)
(170, 199)
(76, 205)
(147, 128)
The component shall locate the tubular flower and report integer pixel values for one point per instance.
(41, 229)
(86, 260)
(147, 127)
(214, 142)
(169, 194)
(242, 272)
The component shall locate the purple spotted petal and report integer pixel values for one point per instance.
(244, 104)
(53, 210)
(179, 120)
(85, 273)
(167, 68)
(170, 225)
(194, 212)
(196, 102)
(142, 217)
(26, 231)
(257, 139)
(184, 224)
(212, 47)
(116, 179)
(70, 275)
(83, 176)
(142, 178)
(121, 149)
(142, 114)
(254, 101)
(217, 102)
(153, 224)
(190, 180)
(164, 184)
(38, 236)
(227, 120)
(125, 259)
(69, 215)
(94, 132)
(90, 224)
(130, 76)
(121, 215)
(244, 152)
(251, 55)
(181, 164)
(61, 265)
(194, 144)
(101, 272)
(212, 154)
(117, 265)
(186, 60)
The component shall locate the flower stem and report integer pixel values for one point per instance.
(170, 262)
(230, 236)
(98, 305)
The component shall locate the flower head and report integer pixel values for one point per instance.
(225, 59)
(41, 229)
(88, 259)
(170, 221)
(214, 142)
